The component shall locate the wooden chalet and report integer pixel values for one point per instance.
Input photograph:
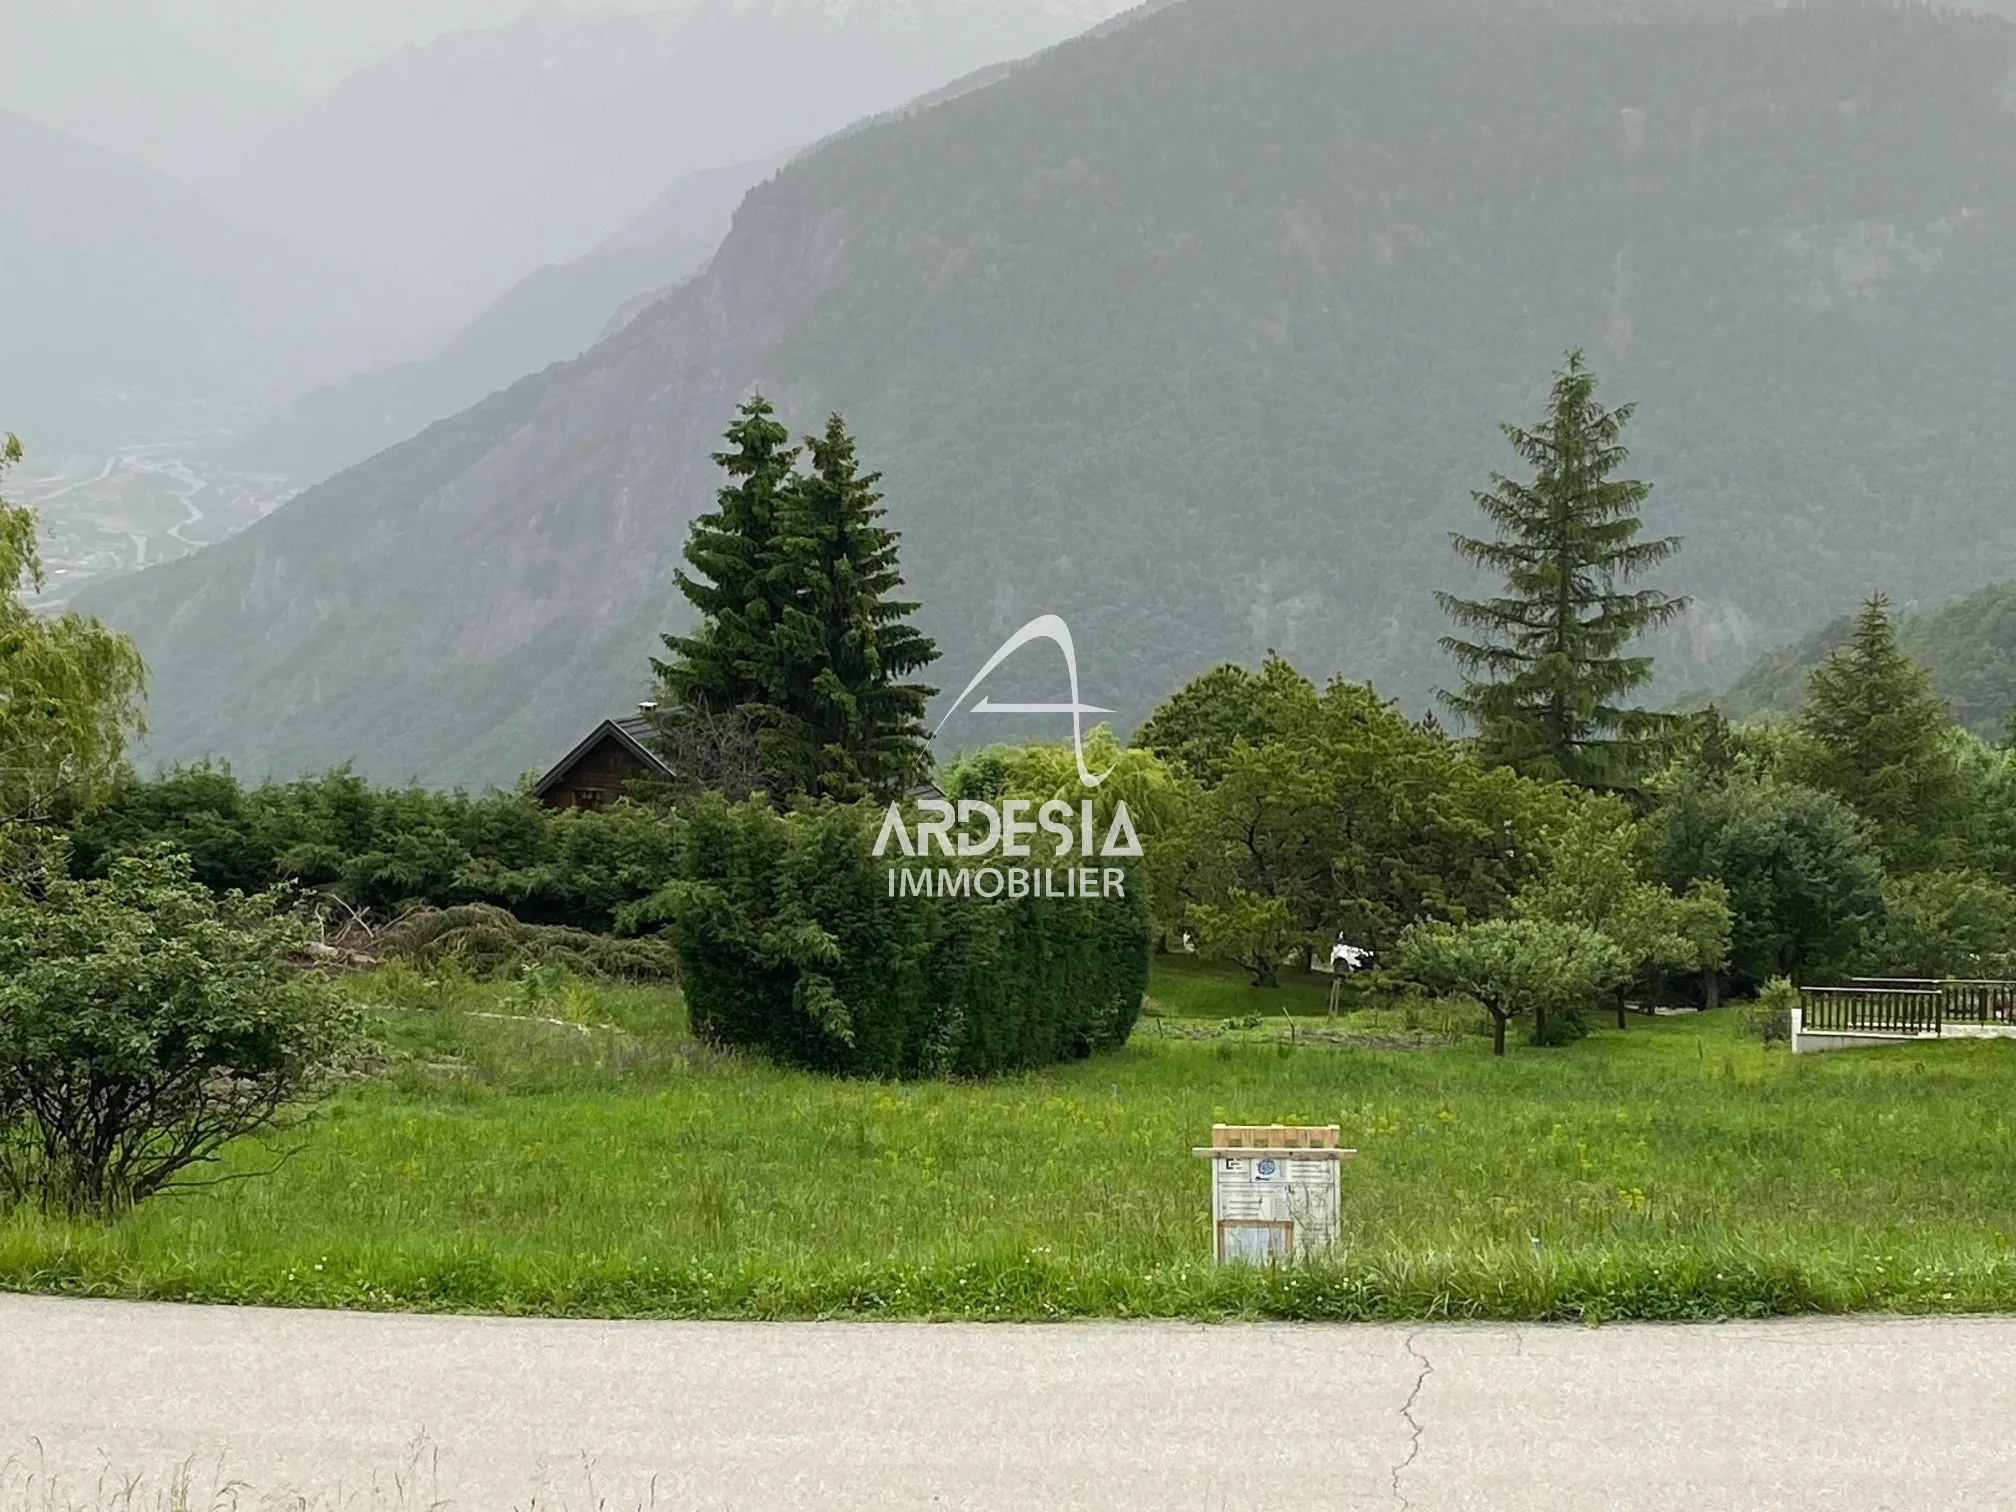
(601, 768)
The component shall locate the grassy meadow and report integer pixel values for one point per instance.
(546, 1146)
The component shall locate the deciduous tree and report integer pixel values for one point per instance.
(1515, 967)
(1596, 876)
(1196, 728)
(1945, 924)
(70, 689)
(1248, 929)
(1803, 875)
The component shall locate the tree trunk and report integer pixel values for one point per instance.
(1497, 1034)
(1620, 1010)
(1711, 988)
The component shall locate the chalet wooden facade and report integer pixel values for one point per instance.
(599, 771)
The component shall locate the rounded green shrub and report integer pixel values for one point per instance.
(790, 943)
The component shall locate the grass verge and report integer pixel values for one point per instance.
(545, 1147)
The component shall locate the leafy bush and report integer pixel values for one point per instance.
(488, 941)
(144, 1025)
(1770, 1017)
(789, 943)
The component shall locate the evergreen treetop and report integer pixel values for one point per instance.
(723, 667)
(838, 719)
(1545, 674)
(1714, 760)
(1876, 735)
(800, 645)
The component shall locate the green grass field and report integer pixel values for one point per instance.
(551, 1148)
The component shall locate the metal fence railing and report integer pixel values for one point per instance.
(1873, 1009)
(1963, 1002)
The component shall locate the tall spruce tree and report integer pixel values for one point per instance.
(800, 650)
(724, 668)
(839, 720)
(1877, 737)
(1544, 674)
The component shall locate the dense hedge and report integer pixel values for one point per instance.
(789, 943)
(384, 849)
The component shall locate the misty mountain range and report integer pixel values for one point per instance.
(1968, 644)
(554, 314)
(127, 301)
(1199, 333)
(494, 167)
(464, 164)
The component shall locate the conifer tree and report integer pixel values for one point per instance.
(724, 667)
(1714, 758)
(1876, 736)
(838, 718)
(1545, 673)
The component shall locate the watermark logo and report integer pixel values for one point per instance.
(975, 828)
(1048, 627)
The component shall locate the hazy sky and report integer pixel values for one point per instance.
(174, 83)
(180, 84)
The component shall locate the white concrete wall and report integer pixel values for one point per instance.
(1805, 1042)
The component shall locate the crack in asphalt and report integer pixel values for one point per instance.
(1407, 1412)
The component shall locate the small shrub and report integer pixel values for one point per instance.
(1770, 1017)
(144, 1025)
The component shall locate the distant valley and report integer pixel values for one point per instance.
(146, 503)
(130, 306)
(221, 330)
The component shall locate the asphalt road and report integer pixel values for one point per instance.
(327, 1410)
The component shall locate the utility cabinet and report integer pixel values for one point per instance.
(1275, 1191)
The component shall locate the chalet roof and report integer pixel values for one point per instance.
(633, 734)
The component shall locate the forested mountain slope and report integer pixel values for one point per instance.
(1199, 333)
(1969, 645)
